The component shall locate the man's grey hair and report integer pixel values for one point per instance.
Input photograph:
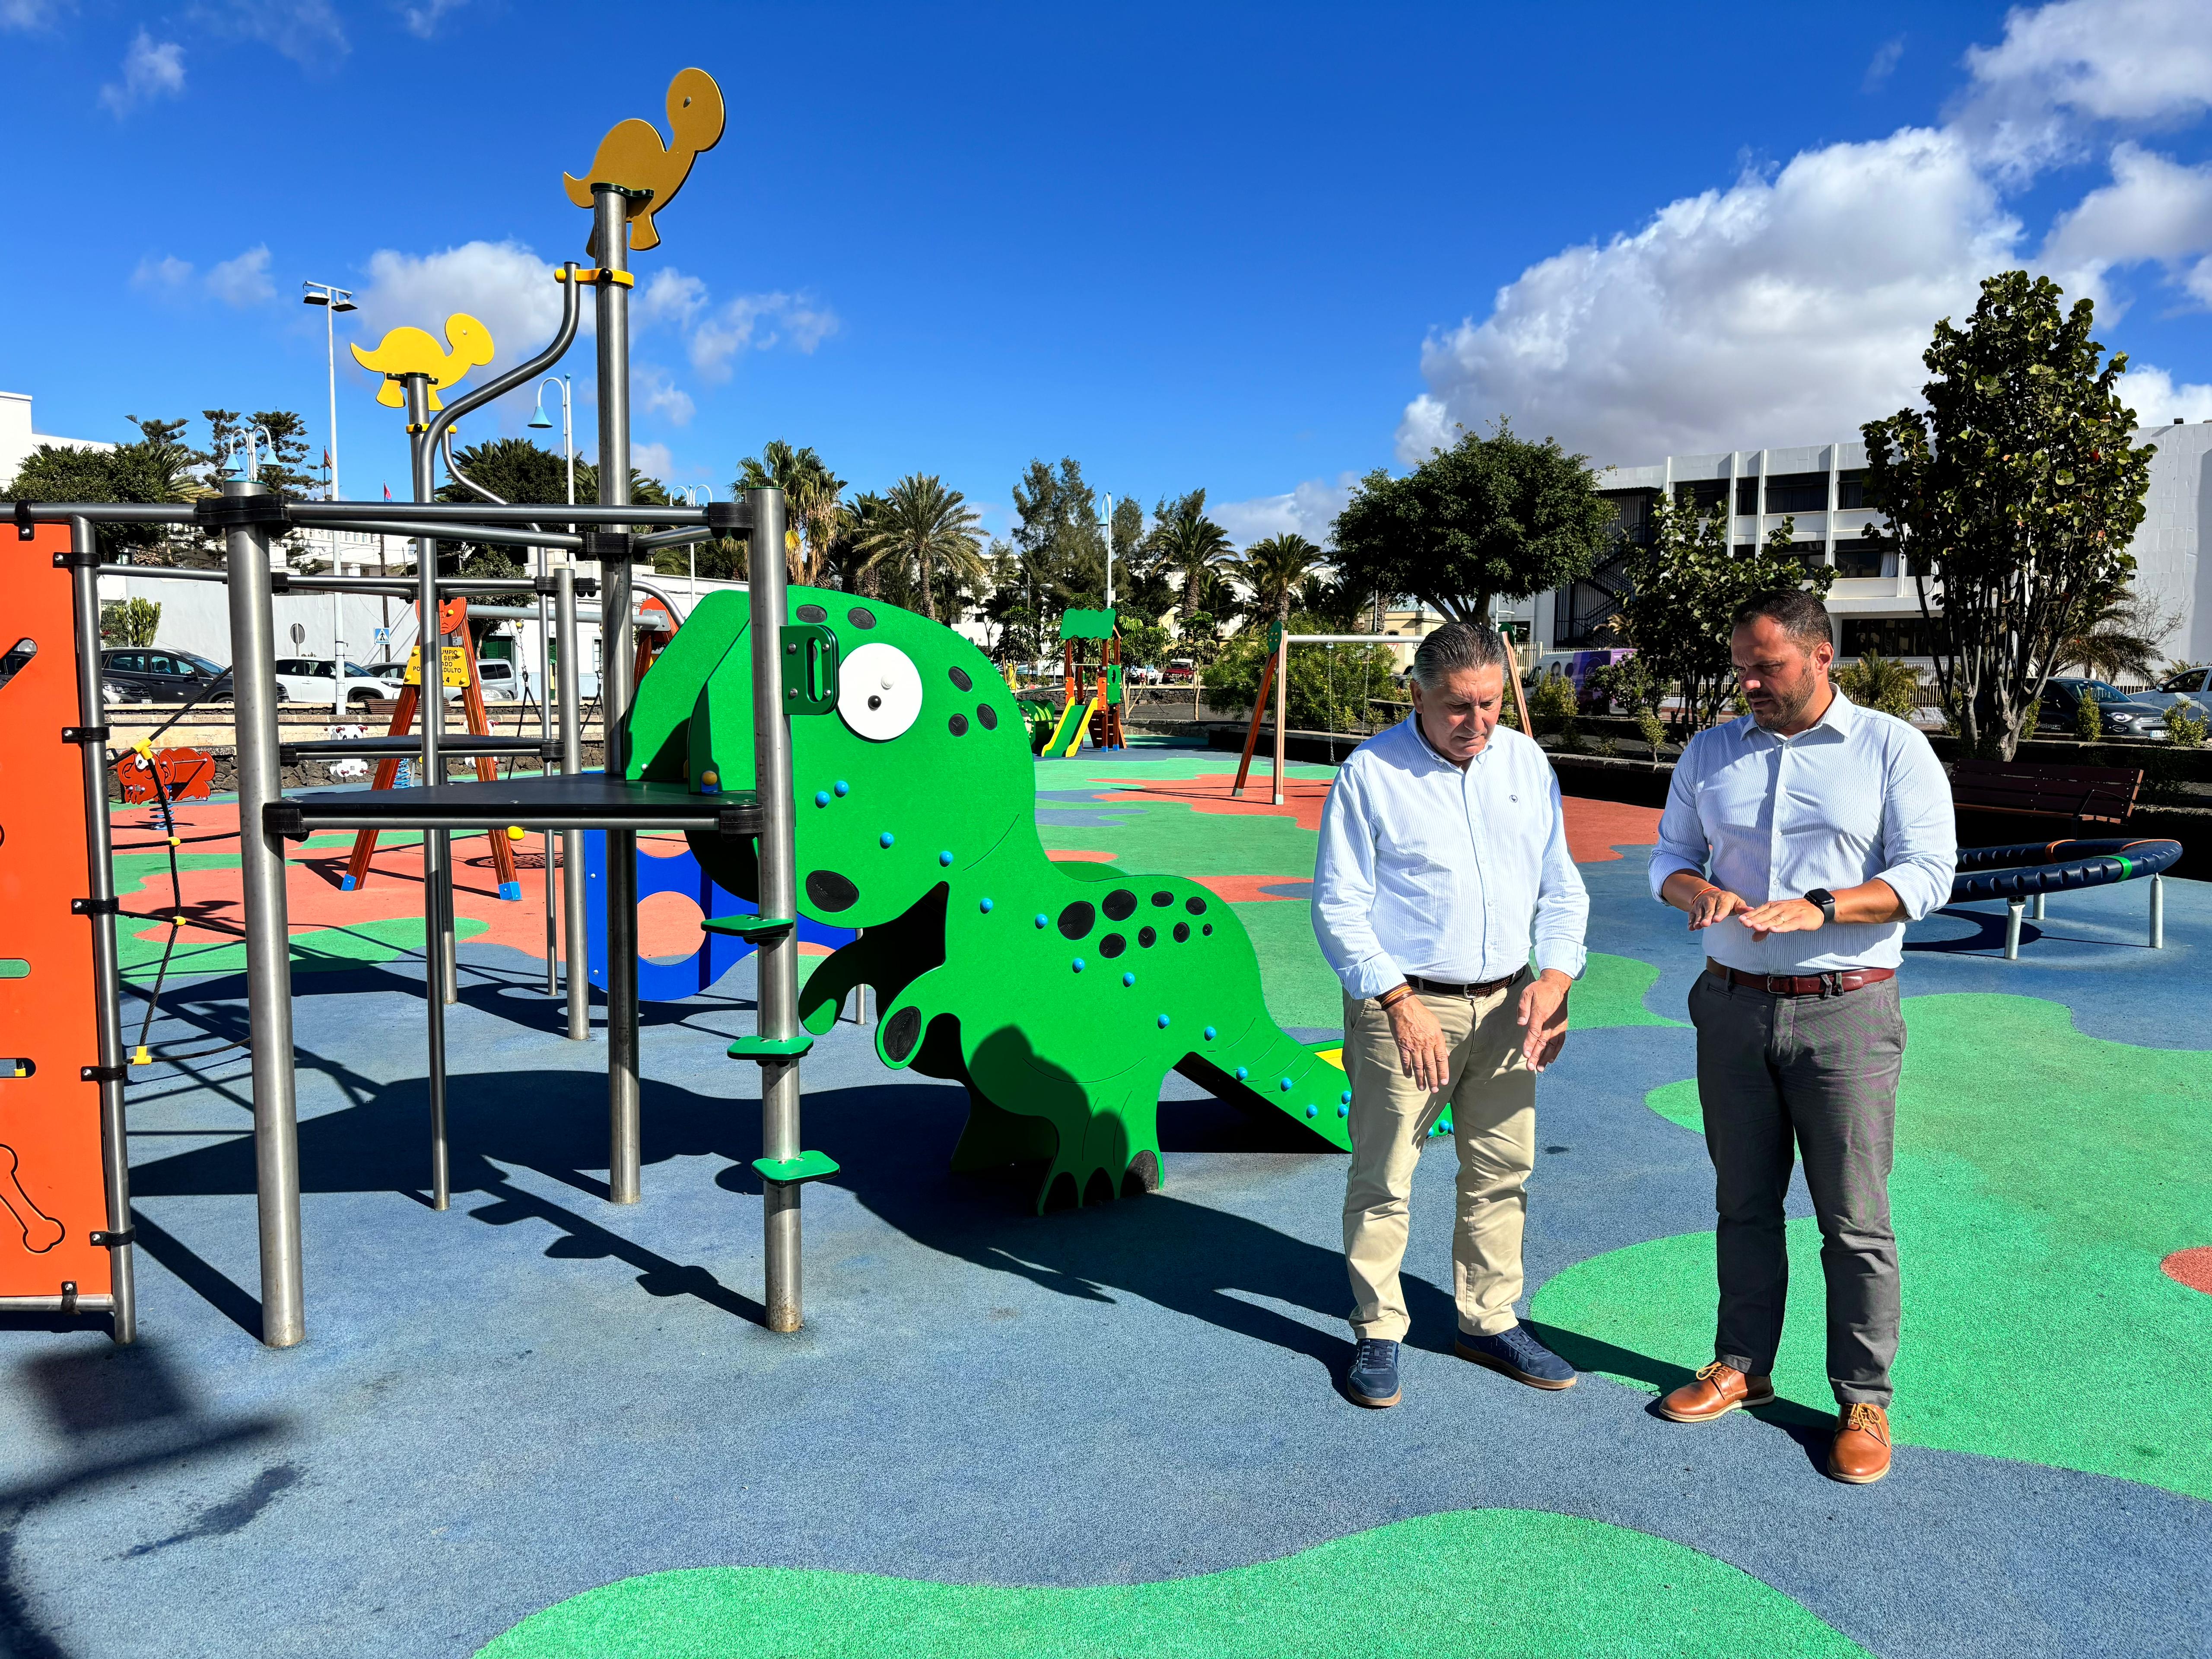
(1455, 647)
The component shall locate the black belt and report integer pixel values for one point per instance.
(1439, 987)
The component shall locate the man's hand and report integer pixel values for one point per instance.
(1422, 1049)
(1712, 905)
(1544, 1015)
(1792, 916)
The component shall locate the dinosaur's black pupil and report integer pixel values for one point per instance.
(959, 678)
(1075, 921)
(1112, 946)
(1120, 904)
(1148, 938)
(875, 702)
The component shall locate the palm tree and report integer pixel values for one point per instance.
(920, 523)
(1193, 545)
(814, 499)
(2120, 634)
(1273, 570)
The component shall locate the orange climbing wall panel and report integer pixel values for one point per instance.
(52, 1196)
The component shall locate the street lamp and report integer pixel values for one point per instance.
(691, 495)
(1106, 526)
(568, 425)
(333, 299)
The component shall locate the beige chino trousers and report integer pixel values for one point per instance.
(1491, 1092)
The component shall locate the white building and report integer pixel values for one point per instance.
(17, 440)
(1822, 489)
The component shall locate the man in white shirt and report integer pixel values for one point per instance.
(1801, 841)
(1443, 861)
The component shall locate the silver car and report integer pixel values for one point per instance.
(2190, 685)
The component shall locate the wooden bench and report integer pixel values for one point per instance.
(2086, 794)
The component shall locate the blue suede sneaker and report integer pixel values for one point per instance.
(1519, 1355)
(1373, 1379)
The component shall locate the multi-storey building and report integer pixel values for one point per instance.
(1819, 491)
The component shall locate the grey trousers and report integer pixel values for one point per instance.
(1778, 1076)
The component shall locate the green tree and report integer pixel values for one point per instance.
(1056, 536)
(923, 527)
(1878, 682)
(280, 447)
(1273, 570)
(1197, 551)
(814, 505)
(2015, 492)
(157, 469)
(1684, 586)
(1329, 687)
(1144, 644)
(1489, 518)
(2119, 635)
(130, 622)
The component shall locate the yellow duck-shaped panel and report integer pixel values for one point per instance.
(633, 156)
(412, 351)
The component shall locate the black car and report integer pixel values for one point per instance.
(2122, 717)
(164, 673)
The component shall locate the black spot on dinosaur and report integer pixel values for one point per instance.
(1148, 938)
(860, 616)
(957, 726)
(1120, 904)
(1196, 906)
(959, 678)
(1075, 921)
(1183, 932)
(988, 715)
(900, 1032)
(827, 891)
(1112, 946)
(813, 613)
(1164, 899)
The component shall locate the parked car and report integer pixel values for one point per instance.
(165, 674)
(2190, 685)
(1181, 671)
(2122, 716)
(500, 679)
(314, 679)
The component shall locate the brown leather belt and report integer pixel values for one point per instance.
(1803, 985)
(1437, 987)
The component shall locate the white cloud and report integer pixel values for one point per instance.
(1883, 64)
(151, 69)
(669, 297)
(1787, 310)
(243, 280)
(654, 460)
(653, 388)
(2152, 393)
(307, 32)
(1308, 511)
(167, 275)
(2156, 209)
(30, 16)
(422, 21)
(2062, 67)
(758, 322)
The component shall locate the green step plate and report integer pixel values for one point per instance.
(807, 1166)
(761, 1047)
(748, 927)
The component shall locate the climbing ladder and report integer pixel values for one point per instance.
(452, 619)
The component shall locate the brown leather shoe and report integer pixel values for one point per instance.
(1714, 1392)
(1860, 1452)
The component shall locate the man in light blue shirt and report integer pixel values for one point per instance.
(1444, 868)
(1800, 841)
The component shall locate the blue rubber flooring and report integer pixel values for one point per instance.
(538, 1392)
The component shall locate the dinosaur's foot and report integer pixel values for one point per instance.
(1070, 1187)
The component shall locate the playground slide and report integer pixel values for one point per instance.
(1067, 735)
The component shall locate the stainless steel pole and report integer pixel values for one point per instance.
(1282, 703)
(577, 964)
(619, 690)
(106, 975)
(777, 994)
(268, 931)
(545, 735)
(437, 844)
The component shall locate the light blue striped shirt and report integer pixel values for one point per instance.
(1425, 869)
(1855, 796)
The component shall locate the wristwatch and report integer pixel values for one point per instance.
(1826, 901)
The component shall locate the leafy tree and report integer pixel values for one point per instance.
(923, 527)
(130, 622)
(1340, 606)
(1329, 687)
(814, 499)
(2015, 493)
(1684, 587)
(1144, 644)
(1273, 572)
(156, 468)
(1489, 518)
(1197, 551)
(280, 448)
(1056, 537)
(1878, 682)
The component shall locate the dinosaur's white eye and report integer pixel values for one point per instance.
(878, 691)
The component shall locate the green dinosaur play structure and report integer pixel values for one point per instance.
(1060, 994)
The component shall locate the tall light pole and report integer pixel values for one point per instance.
(333, 299)
(692, 495)
(1109, 524)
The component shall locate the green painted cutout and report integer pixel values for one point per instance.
(807, 1166)
(2041, 1176)
(14, 967)
(1512, 1583)
(1061, 996)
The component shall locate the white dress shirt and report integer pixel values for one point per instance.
(1426, 869)
(1856, 795)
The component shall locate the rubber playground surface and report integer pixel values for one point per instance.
(538, 1424)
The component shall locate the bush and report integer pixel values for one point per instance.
(1330, 686)
(1878, 682)
(130, 622)
(1551, 707)
(1652, 730)
(2184, 725)
(2089, 720)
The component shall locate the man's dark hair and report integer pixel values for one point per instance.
(1796, 610)
(1455, 646)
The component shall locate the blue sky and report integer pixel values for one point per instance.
(1254, 249)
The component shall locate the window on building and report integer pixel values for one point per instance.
(1851, 490)
(1892, 636)
(1702, 494)
(1747, 495)
(1858, 555)
(1797, 492)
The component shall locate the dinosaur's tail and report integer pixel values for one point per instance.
(1267, 1069)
